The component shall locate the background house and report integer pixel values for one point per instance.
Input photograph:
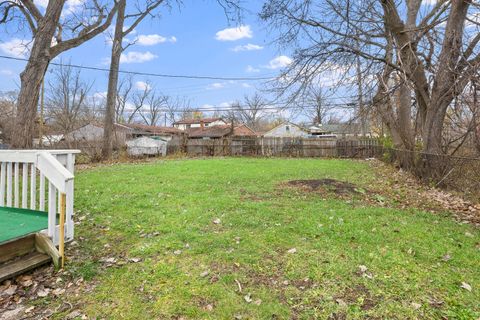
(339, 130)
(197, 123)
(286, 130)
(93, 132)
(221, 131)
(141, 130)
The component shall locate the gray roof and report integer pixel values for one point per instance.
(351, 128)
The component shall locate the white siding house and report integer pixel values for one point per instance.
(198, 123)
(287, 130)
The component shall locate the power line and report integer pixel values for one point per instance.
(148, 74)
(269, 106)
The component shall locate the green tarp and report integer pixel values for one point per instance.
(15, 223)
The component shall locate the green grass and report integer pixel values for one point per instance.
(151, 210)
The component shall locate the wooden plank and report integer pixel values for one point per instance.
(43, 244)
(19, 266)
(17, 248)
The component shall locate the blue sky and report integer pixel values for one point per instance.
(196, 39)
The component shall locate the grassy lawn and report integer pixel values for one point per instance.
(226, 239)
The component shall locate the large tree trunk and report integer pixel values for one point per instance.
(445, 86)
(32, 76)
(113, 82)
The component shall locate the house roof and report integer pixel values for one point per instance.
(283, 124)
(337, 128)
(220, 131)
(153, 129)
(192, 121)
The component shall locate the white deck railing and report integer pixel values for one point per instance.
(45, 176)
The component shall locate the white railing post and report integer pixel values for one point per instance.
(52, 211)
(9, 184)
(33, 187)
(42, 193)
(3, 175)
(24, 185)
(16, 185)
(69, 197)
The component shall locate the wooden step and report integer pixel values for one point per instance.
(22, 264)
(17, 247)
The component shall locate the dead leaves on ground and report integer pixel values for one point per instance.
(406, 191)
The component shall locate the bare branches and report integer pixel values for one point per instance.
(89, 31)
(67, 99)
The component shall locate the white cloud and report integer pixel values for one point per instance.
(279, 62)
(72, 6)
(226, 104)
(142, 85)
(6, 72)
(216, 85)
(137, 57)
(15, 47)
(232, 34)
(153, 39)
(251, 69)
(100, 95)
(41, 3)
(246, 85)
(247, 47)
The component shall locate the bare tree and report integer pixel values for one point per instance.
(315, 104)
(52, 34)
(124, 93)
(66, 102)
(142, 9)
(175, 107)
(253, 110)
(152, 114)
(419, 53)
(140, 102)
(7, 114)
(250, 112)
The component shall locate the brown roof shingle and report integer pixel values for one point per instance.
(220, 131)
(192, 121)
(154, 129)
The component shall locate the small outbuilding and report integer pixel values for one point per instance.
(146, 146)
(286, 130)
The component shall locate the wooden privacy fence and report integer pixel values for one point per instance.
(273, 146)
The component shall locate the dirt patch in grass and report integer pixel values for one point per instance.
(332, 185)
(358, 294)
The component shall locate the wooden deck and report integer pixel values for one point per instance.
(16, 223)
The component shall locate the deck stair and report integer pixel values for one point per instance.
(36, 208)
